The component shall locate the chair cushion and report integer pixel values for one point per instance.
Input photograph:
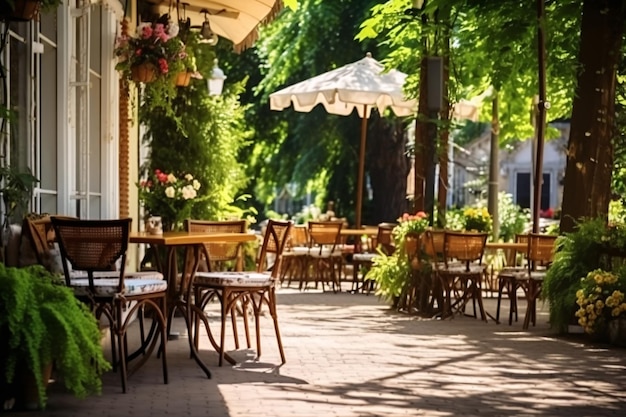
(105, 283)
(459, 268)
(325, 253)
(296, 251)
(364, 257)
(234, 279)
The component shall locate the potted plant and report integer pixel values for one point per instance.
(153, 56)
(393, 273)
(592, 245)
(42, 324)
(170, 197)
(24, 10)
(17, 189)
(601, 303)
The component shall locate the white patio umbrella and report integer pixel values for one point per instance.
(362, 85)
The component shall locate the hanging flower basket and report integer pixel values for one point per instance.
(143, 73)
(183, 79)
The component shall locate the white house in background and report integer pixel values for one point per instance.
(515, 169)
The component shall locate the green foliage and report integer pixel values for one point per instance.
(512, 218)
(41, 322)
(391, 273)
(576, 254)
(17, 190)
(202, 135)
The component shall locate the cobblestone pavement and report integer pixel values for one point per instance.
(350, 355)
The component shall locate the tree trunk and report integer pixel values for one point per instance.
(388, 166)
(586, 191)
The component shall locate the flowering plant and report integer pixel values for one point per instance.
(600, 299)
(476, 218)
(158, 46)
(410, 223)
(169, 196)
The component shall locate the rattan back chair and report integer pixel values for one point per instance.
(252, 288)
(95, 247)
(220, 256)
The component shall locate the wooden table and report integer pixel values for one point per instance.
(192, 243)
(369, 231)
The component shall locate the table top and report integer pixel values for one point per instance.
(189, 238)
(507, 245)
(370, 231)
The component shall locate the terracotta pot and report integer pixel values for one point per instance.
(22, 11)
(143, 73)
(183, 79)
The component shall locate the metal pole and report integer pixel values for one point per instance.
(541, 114)
(492, 203)
(359, 190)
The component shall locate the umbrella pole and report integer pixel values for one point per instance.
(359, 189)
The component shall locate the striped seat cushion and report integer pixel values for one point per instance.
(234, 279)
(106, 282)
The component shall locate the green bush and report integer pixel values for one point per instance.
(587, 248)
(41, 322)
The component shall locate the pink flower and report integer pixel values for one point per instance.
(138, 52)
(159, 32)
(163, 65)
(421, 215)
(405, 216)
(146, 32)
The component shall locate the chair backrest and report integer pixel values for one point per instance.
(298, 236)
(434, 243)
(92, 245)
(324, 235)
(540, 250)
(218, 254)
(513, 256)
(384, 238)
(464, 246)
(274, 242)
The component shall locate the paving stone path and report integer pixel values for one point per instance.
(350, 355)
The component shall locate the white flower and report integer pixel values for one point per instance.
(172, 29)
(171, 178)
(170, 192)
(141, 26)
(188, 192)
(188, 177)
(196, 184)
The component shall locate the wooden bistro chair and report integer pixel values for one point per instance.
(295, 256)
(539, 258)
(325, 257)
(222, 256)
(253, 288)
(507, 283)
(462, 271)
(433, 249)
(362, 261)
(94, 249)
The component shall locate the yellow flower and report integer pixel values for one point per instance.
(170, 192)
(171, 178)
